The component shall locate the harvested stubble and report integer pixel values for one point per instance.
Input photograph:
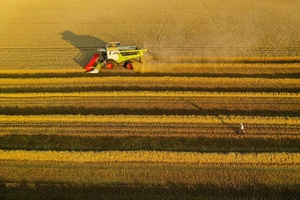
(141, 124)
(151, 103)
(228, 32)
(275, 172)
(174, 28)
(159, 157)
(157, 119)
(152, 143)
(151, 132)
(153, 83)
(169, 133)
(264, 70)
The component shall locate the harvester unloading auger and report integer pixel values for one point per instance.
(113, 55)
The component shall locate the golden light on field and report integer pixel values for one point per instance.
(170, 128)
(64, 34)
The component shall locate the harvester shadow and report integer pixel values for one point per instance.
(87, 45)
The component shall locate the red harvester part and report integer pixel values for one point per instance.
(128, 65)
(109, 65)
(90, 65)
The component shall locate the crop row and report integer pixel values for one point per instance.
(126, 129)
(121, 135)
(223, 61)
(161, 157)
(173, 69)
(264, 70)
(200, 85)
(95, 126)
(221, 67)
(151, 143)
(125, 179)
(60, 57)
(157, 119)
(161, 133)
(179, 80)
(151, 103)
(150, 167)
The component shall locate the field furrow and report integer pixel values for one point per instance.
(151, 173)
(159, 133)
(98, 128)
(172, 113)
(188, 69)
(151, 103)
(120, 83)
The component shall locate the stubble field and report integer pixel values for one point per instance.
(167, 129)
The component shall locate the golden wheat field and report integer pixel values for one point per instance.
(169, 128)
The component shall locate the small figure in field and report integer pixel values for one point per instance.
(241, 130)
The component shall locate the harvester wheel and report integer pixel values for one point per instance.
(109, 65)
(128, 65)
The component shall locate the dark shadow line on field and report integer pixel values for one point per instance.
(72, 110)
(137, 74)
(219, 117)
(87, 45)
(123, 190)
(158, 143)
(192, 103)
(134, 88)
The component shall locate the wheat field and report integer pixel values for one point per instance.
(168, 129)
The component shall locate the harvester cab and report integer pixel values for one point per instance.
(114, 55)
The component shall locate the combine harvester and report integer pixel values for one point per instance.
(114, 55)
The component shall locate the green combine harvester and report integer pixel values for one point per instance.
(114, 55)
